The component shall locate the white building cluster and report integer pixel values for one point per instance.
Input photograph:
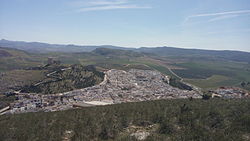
(118, 86)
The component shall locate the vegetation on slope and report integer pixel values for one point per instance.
(11, 59)
(4, 53)
(199, 54)
(6, 100)
(66, 79)
(14, 80)
(183, 119)
(116, 52)
(177, 83)
(245, 85)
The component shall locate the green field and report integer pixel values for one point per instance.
(207, 74)
(213, 81)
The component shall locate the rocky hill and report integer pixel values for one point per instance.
(62, 79)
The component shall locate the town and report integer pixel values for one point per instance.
(118, 86)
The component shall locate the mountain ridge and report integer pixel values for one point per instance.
(4, 41)
(38, 47)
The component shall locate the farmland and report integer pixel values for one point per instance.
(207, 74)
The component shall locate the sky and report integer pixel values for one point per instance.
(203, 24)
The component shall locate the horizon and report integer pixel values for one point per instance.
(126, 47)
(196, 24)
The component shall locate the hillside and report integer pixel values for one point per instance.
(4, 53)
(63, 79)
(50, 79)
(12, 59)
(116, 53)
(212, 120)
(199, 53)
(38, 47)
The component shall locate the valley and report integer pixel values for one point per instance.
(117, 82)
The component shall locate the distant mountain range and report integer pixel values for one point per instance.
(37, 47)
(239, 56)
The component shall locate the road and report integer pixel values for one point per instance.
(181, 79)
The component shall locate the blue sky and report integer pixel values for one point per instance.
(204, 24)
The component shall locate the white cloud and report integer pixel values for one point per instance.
(105, 2)
(222, 17)
(86, 3)
(222, 13)
(219, 15)
(100, 5)
(111, 7)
